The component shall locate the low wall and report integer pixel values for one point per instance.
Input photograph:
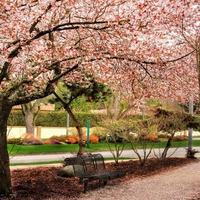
(40, 132)
(43, 132)
(47, 132)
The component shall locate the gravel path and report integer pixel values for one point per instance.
(179, 184)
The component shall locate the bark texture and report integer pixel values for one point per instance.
(29, 117)
(5, 178)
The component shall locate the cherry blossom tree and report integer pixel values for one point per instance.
(141, 48)
(41, 42)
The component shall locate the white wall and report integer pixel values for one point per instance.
(46, 132)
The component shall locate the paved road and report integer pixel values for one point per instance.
(180, 152)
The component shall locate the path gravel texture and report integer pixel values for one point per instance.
(178, 184)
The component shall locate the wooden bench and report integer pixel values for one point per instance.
(101, 168)
(91, 167)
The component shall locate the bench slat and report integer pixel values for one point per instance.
(100, 167)
(91, 167)
(81, 172)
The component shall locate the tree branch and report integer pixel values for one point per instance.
(63, 74)
(180, 58)
(4, 70)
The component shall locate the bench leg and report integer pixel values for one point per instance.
(102, 182)
(85, 187)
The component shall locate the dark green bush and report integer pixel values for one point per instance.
(16, 118)
(197, 120)
(53, 119)
(58, 119)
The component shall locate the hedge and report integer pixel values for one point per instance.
(53, 119)
(59, 118)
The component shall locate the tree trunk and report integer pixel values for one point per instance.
(5, 178)
(29, 123)
(79, 130)
(29, 118)
(168, 145)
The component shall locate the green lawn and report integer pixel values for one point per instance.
(56, 148)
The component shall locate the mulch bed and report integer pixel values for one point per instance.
(42, 182)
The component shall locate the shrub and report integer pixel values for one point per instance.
(61, 138)
(14, 140)
(48, 142)
(53, 119)
(153, 137)
(179, 138)
(94, 139)
(163, 135)
(71, 140)
(100, 132)
(78, 139)
(53, 141)
(32, 141)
